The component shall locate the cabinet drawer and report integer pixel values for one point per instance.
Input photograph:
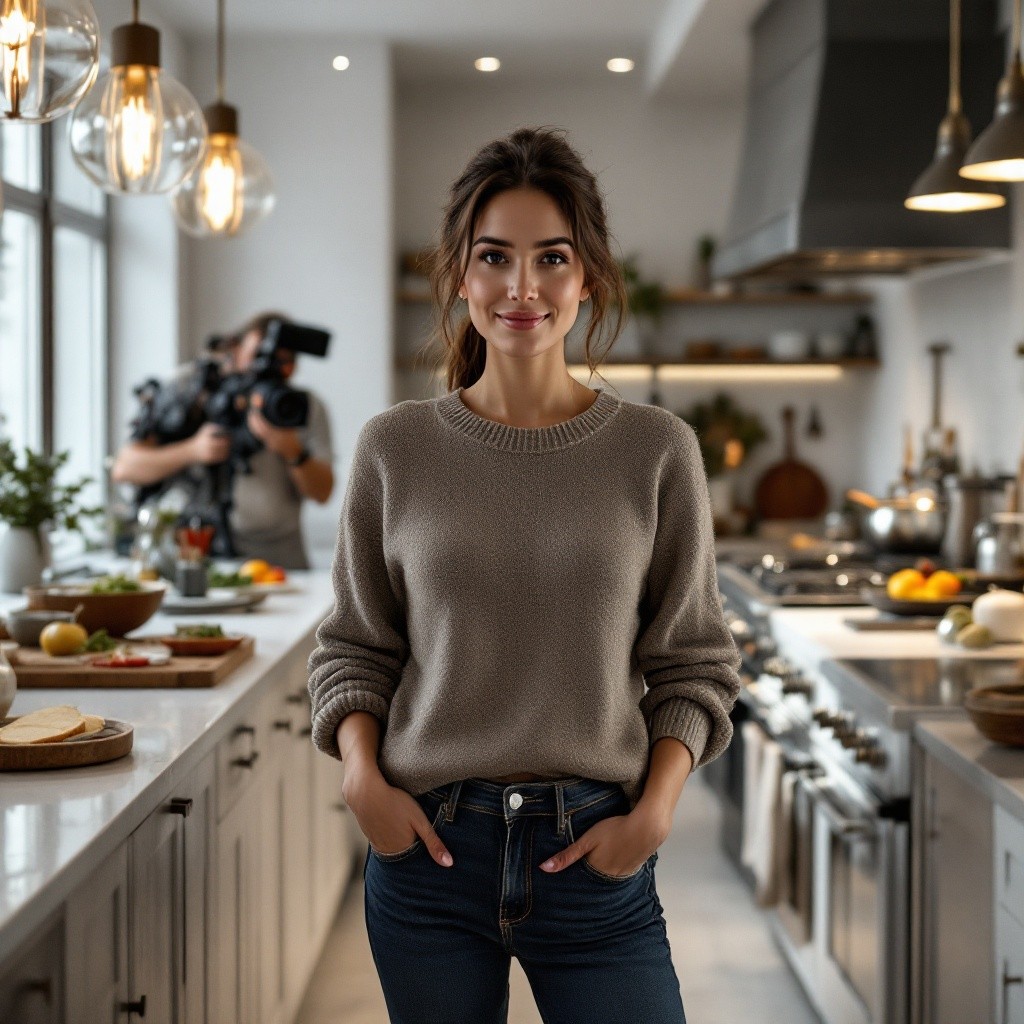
(241, 758)
(1009, 865)
(1009, 979)
(32, 982)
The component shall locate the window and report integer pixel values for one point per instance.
(54, 244)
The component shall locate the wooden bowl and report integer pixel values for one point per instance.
(998, 712)
(116, 613)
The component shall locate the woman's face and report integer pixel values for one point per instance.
(525, 280)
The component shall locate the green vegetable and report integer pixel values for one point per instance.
(100, 641)
(203, 629)
(228, 579)
(116, 585)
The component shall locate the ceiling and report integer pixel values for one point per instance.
(682, 48)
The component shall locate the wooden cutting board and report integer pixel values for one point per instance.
(115, 740)
(178, 672)
(790, 489)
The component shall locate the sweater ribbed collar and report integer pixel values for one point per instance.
(504, 437)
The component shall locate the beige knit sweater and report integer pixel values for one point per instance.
(525, 599)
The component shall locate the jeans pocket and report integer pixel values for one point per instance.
(426, 801)
(584, 818)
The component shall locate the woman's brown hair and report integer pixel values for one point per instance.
(538, 158)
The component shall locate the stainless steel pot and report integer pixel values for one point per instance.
(911, 525)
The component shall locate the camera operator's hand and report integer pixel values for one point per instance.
(283, 441)
(210, 445)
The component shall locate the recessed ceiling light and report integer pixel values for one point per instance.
(621, 64)
(487, 64)
(340, 63)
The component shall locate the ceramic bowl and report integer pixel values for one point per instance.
(25, 624)
(117, 613)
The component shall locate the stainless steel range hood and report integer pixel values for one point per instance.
(845, 99)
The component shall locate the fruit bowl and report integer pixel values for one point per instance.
(998, 712)
(878, 598)
(117, 613)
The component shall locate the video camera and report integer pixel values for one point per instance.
(172, 413)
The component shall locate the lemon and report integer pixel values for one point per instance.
(63, 638)
(255, 569)
(901, 585)
(944, 584)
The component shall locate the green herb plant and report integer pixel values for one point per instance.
(645, 298)
(31, 497)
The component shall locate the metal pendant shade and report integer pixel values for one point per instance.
(941, 188)
(231, 189)
(998, 152)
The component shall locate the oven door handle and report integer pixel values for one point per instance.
(839, 822)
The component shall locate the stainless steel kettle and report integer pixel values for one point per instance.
(970, 499)
(1000, 544)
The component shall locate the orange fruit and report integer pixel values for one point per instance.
(944, 583)
(255, 569)
(900, 585)
(275, 574)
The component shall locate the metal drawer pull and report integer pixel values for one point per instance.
(295, 698)
(180, 805)
(306, 730)
(840, 823)
(343, 807)
(283, 723)
(242, 729)
(138, 1007)
(246, 762)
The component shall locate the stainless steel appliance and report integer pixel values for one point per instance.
(845, 913)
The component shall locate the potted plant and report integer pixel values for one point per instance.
(727, 435)
(31, 504)
(646, 303)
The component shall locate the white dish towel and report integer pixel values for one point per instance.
(762, 794)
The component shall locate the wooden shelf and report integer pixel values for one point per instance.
(408, 363)
(692, 297)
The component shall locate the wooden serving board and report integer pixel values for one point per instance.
(184, 672)
(113, 741)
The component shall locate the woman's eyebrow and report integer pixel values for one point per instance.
(488, 240)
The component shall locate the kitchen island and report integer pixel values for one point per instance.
(244, 747)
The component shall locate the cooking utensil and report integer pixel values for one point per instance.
(814, 428)
(912, 525)
(999, 543)
(968, 500)
(790, 489)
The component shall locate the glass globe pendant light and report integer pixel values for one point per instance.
(231, 189)
(49, 56)
(998, 152)
(138, 130)
(940, 188)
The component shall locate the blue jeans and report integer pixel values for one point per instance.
(593, 946)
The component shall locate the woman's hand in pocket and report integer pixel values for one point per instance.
(389, 817)
(622, 844)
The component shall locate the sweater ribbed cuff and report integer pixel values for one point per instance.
(328, 717)
(684, 720)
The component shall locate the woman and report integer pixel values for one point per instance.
(515, 561)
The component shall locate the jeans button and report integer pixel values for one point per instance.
(515, 801)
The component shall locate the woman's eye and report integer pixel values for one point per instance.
(490, 252)
(559, 258)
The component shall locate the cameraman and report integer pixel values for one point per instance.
(292, 465)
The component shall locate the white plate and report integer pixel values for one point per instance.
(217, 599)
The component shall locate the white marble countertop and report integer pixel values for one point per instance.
(809, 636)
(996, 770)
(57, 826)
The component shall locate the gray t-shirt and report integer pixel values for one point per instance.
(265, 517)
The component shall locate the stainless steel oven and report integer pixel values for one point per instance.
(861, 913)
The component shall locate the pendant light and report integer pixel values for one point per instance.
(941, 189)
(998, 152)
(231, 189)
(49, 56)
(138, 130)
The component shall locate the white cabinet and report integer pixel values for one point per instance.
(1008, 870)
(136, 930)
(32, 983)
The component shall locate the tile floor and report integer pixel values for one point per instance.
(729, 968)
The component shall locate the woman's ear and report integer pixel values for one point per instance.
(584, 293)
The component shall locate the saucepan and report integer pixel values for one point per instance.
(915, 524)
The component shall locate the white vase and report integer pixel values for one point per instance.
(23, 557)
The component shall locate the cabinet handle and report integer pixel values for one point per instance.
(285, 723)
(294, 698)
(246, 762)
(138, 1007)
(180, 805)
(306, 730)
(241, 729)
(343, 807)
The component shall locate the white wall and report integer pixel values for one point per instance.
(980, 312)
(325, 254)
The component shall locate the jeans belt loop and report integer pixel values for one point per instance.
(560, 802)
(453, 799)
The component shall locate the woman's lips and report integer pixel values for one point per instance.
(522, 322)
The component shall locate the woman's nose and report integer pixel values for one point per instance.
(522, 285)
